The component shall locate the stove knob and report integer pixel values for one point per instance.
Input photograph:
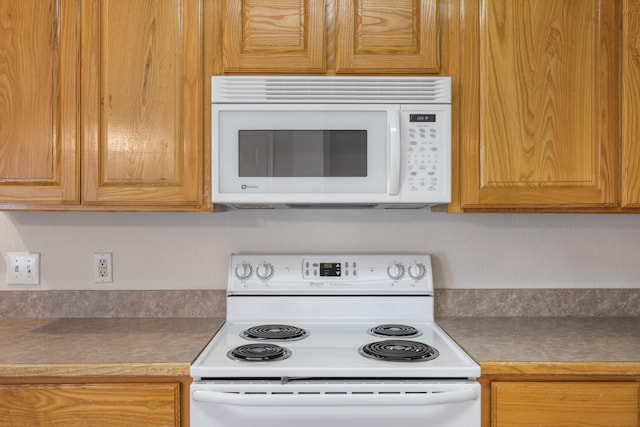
(417, 271)
(264, 271)
(395, 271)
(243, 271)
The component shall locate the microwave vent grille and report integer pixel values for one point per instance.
(283, 89)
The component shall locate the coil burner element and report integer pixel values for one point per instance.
(274, 333)
(395, 331)
(399, 351)
(259, 353)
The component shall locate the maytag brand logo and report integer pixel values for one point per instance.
(249, 187)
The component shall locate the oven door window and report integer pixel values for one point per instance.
(303, 150)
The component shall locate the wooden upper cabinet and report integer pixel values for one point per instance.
(381, 36)
(142, 103)
(631, 104)
(39, 122)
(318, 37)
(273, 36)
(539, 103)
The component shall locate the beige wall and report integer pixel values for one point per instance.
(190, 250)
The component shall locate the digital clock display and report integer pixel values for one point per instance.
(422, 118)
(330, 269)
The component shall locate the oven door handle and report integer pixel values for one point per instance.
(341, 399)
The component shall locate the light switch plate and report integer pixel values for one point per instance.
(23, 268)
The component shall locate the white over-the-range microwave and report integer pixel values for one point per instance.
(331, 142)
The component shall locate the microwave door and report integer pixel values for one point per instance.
(267, 154)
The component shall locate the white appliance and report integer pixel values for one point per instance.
(331, 141)
(332, 340)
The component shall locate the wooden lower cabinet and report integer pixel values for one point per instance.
(563, 403)
(94, 403)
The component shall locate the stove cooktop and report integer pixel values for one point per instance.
(333, 350)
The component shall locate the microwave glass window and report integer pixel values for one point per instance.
(302, 153)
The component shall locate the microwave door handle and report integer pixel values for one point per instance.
(393, 179)
(341, 399)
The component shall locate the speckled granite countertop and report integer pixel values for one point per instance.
(550, 345)
(102, 347)
(167, 346)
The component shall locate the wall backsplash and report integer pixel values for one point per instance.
(189, 251)
(212, 303)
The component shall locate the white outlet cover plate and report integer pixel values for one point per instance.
(23, 268)
(108, 276)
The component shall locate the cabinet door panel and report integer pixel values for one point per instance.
(142, 103)
(39, 71)
(631, 104)
(90, 405)
(273, 36)
(378, 36)
(539, 103)
(529, 404)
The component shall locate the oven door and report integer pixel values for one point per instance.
(306, 153)
(335, 403)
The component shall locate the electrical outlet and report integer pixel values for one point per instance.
(23, 268)
(102, 268)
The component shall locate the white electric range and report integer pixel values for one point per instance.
(319, 340)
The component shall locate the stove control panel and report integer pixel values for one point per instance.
(330, 274)
(314, 269)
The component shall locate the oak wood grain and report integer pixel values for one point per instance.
(142, 103)
(540, 104)
(631, 104)
(579, 404)
(273, 36)
(378, 36)
(104, 404)
(39, 121)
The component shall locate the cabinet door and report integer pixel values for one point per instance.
(379, 36)
(39, 124)
(529, 404)
(90, 405)
(142, 104)
(631, 104)
(539, 103)
(279, 36)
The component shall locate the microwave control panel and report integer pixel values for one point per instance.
(426, 141)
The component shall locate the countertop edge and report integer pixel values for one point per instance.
(603, 368)
(123, 369)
